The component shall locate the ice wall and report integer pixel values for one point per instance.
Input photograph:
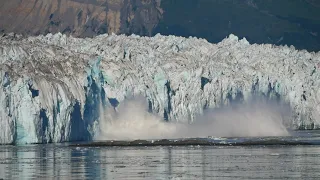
(53, 87)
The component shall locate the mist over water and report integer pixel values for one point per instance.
(131, 120)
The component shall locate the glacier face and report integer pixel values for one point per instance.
(54, 87)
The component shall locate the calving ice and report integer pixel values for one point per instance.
(56, 88)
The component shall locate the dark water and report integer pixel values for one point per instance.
(184, 162)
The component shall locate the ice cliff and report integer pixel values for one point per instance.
(54, 87)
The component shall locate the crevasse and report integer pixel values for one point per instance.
(54, 87)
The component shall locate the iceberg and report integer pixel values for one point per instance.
(54, 88)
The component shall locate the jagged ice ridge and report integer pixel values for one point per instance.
(54, 87)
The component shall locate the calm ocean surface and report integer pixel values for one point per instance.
(59, 161)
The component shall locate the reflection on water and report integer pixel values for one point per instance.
(256, 162)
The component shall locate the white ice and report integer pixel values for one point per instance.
(179, 77)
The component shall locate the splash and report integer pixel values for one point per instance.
(131, 120)
(259, 118)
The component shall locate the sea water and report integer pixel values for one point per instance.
(63, 161)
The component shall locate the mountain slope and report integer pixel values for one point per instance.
(78, 17)
(290, 22)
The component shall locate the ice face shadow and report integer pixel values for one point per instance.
(131, 120)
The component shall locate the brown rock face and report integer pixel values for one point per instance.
(79, 17)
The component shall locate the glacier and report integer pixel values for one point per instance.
(54, 87)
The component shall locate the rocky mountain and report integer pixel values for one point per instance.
(290, 22)
(79, 17)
